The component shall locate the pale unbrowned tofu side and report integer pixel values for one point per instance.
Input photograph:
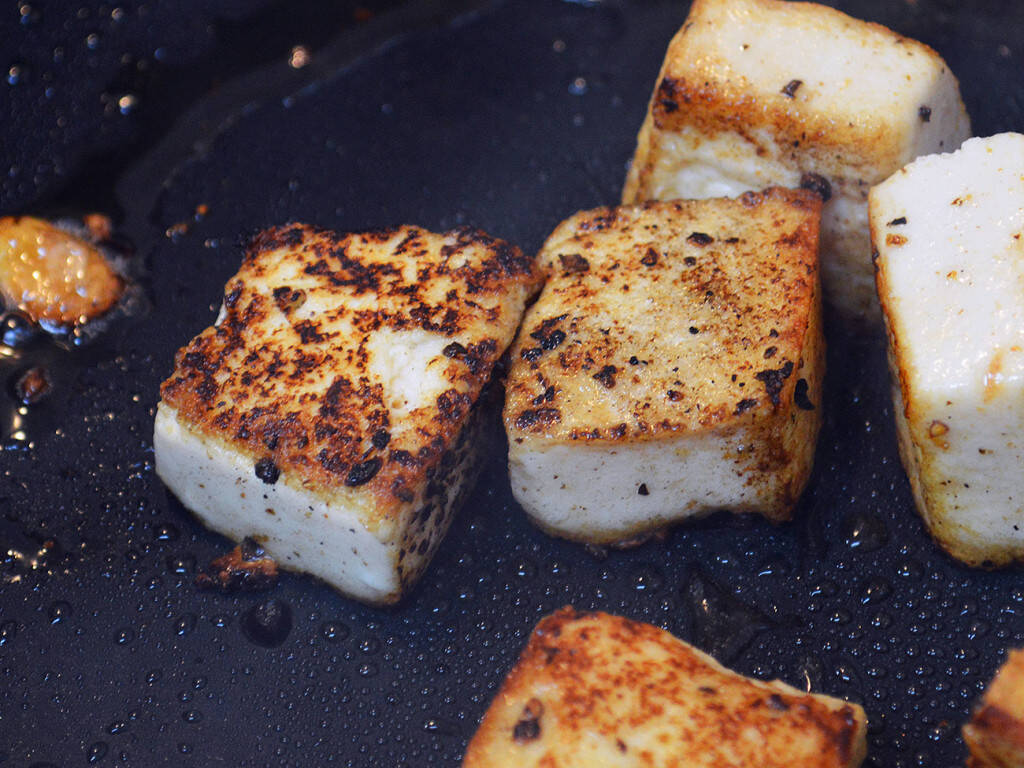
(592, 689)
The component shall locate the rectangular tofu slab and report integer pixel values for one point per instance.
(329, 411)
(949, 235)
(598, 690)
(671, 367)
(995, 734)
(755, 93)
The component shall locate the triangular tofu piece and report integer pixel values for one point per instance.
(598, 691)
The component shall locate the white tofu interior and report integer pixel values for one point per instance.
(949, 230)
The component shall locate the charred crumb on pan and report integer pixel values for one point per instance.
(897, 222)
(247, 567)
(789, 89)
(817, 184)
(642, 490)
(33, 385)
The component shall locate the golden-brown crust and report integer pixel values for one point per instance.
(285, 377)
(591, 688)
(995, 734)
(668, 316)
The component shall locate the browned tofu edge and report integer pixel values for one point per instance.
(995, 733)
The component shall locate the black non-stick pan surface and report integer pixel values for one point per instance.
(508, 116)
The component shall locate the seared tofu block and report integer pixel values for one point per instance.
(597, 690)
(949, 235)
(755, 93)
(672, 366)
(329, 412)
(995, 735)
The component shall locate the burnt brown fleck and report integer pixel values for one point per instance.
(267, 471)
(700, 239)
(363, 472)
(573, 263)
(744, 405)
(800, 396)
(454, 350)
(817, 184)
(537, 417)
(642, 490)
(895, 240)
(790, 88)
(650, 258)
(898, 222)
(925, 113)
(527, 728)
(606, 376)
(774, 380)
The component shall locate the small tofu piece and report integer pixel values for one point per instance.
(949, 235)
(329, 413)
(57, 278)
(755, 93)
(995, 734)
(671, 367)
(598, 690)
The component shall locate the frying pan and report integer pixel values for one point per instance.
(508, 116)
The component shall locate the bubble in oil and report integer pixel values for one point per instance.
(185, 624)
(60, 611)
(268, 623)
(334, 631)
(865, 532)
(723, 625)
(97, 751)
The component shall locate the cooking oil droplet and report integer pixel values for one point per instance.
(60, 611)
(154, 676)
(368, 670)
(268, 623)
(181, 563)
(875, 591)
(525, 569)
(165, 532)
(646, 578)
(865, 532)
(7, 632)
(192, 716)
(369, 645)
(334, 632)
(125, 636)
(185, 624)
(98, 751)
